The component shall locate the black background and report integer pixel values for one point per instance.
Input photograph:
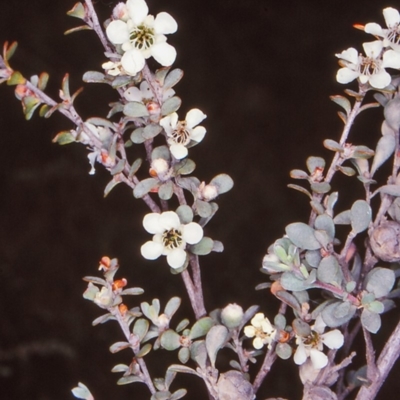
(262, 71)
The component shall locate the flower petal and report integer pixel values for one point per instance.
(192, 233)
(133, 61)
(117, 32)
(249, 330)
(351, 55)
(380, 80)
(179, 151)
(133, 94)
(391, 59)
(333, 339)
(169, 220)
(146, 91)
(258, 343)
(165, 24)
(151, 250)
(392, 17)
(137, 10)
(373, 29)
(300, 356)
(318, 358)
(176, 258)
(194, 117)
(163, 53)
(198, 134)
(373, 49)
(257, 320)
(346, 75)
(151, 223)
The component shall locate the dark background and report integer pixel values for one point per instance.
(262, 71)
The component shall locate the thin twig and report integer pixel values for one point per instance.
(386, 360)
(269, 359)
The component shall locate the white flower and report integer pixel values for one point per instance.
(262, 331)
(312, 345)
(181, 133)
(370, 68)
(142, 36)
(390, 36)
(170, 237)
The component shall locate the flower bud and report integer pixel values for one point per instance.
(209, 192)
(120, 11)
(159, 168)
(232, 315)
(385, 241)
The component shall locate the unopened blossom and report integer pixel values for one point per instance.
(369, 69)
(232, 315)
(142, 36)
(391, 35)
(261, 330)
(207, 192)
(170, 237)
(160, 168)
(103, 298)
(120, 11)
(181, 133)
(112, 68)
(311, 346)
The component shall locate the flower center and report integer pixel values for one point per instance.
(370, 66)
(181, 135)
(142, 37)
(172, 239)
(394, 35)
(312, 340)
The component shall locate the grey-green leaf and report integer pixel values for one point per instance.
(291, 282)
(315, 162)
(223, 182)
(360, 215)
(329, 271)
(201, 327)
(298, 174)
(370, 321)
(144, 187)
(135, 109)
(137, 136)
(171, 105)
(302, 235)
(185, 214)
(151, 131)
(204, 247)
(384, 150)
(380, 281)
(332, 145)
(173, 78)
(392, 113)
(203, 208)
(166, 190)
(325, 222)
(342, 102)
(93, 77)
(338, 313)
(343, 218)
(215, 339)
